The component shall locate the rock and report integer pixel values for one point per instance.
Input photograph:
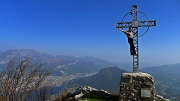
(79, 95)
(79, 92)
(160, 98)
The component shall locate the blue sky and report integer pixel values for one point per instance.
(87, 28)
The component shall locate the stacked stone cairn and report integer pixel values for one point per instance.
(137, 87)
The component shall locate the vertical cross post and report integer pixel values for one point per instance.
(135, 24)
(134, 13)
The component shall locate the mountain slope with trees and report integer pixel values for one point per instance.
(167, 80)
(106, 79)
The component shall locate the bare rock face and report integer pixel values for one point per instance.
(137, 87)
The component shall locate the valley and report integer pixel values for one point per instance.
(90, 71)
(55, 81)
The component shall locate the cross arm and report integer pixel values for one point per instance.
(136, 23)
(123, 24)
(147, 23)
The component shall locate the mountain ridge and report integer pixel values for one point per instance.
(107, 79)
(167, 78)
(62, 64)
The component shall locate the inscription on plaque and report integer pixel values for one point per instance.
(145, 92)
(126, 79)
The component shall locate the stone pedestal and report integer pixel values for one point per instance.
(137, 87)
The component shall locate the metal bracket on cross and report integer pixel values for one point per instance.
(135, 23)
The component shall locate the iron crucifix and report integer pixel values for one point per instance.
(135, 23)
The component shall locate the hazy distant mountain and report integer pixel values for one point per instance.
(107, 79)
(167, 79)
(17, 54)
(97, 61)
(167, 72)
(36, 57)
(167, 69)
(62, 65)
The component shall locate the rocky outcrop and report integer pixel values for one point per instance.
(88, 93)
(80, 92)
(160, 98)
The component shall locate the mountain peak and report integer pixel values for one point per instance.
(20, 53)
(110, 71)
(23, 52)
(106, 78)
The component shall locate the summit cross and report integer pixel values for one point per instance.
(135, 23)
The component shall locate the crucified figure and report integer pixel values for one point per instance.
(130, 36)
